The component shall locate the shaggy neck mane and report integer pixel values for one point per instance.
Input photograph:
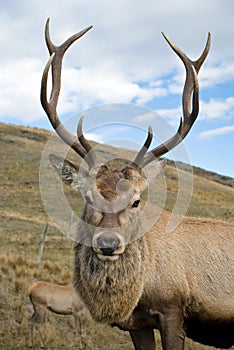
(110, 290)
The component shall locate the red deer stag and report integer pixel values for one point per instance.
(180, 283)
(62, 300)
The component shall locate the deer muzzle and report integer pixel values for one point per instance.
(108, 245)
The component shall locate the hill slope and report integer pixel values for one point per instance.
(23, 222)
(21, 151)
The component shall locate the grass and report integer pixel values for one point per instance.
(23, 220)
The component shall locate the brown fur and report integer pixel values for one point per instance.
(59, 299)
(108, 282)
(106, 182)
(183, 270)
(180, 283)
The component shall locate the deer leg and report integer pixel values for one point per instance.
(143, 339)
(79, 330)
(31, 343)
(43, 346)
(171, 330)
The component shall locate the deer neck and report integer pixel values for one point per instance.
(110, 290)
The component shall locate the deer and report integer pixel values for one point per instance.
(60, 299)
(181, 283)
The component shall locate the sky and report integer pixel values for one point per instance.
(124, 64)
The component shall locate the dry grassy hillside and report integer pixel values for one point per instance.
(23, 221)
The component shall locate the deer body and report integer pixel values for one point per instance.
(59, 299)
(180, 283)
(175, 282)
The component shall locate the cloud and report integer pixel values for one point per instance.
(94, 137)
(214, 109)
(120, 60)
(218, 73)
(20, 88)
(216, 132)
(217, 109)
(172, 115)
(144, 117)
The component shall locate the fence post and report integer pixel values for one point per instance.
(70, 224)
(42, 244)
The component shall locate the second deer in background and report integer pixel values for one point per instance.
(59, 299)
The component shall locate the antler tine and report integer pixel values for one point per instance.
(85, 144)
(191, 86)
(57, 53)
(188, 63)
(69, 138)
(198, 63)
(57, 62)
(140, 155)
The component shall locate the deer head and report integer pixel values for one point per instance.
(112, 197)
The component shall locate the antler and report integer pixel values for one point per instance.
(145, 147)
(190, 87)
(79, 144)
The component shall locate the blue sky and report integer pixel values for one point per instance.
(124, 60)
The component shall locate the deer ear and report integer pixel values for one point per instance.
(69, 173)
(153, 170)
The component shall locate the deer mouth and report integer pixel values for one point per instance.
(108, 257)
(108, 254)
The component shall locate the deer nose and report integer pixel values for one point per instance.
(108, 246)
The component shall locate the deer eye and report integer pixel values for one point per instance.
(136, 203)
